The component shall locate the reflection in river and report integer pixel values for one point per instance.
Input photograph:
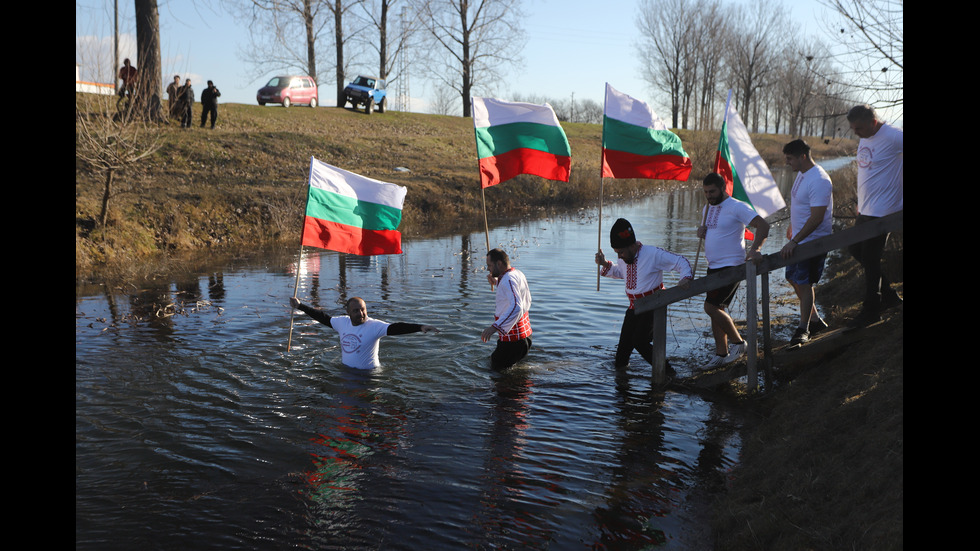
(196, 429)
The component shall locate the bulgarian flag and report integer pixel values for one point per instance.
(350, 213)
(746, 174)
(519, 138)
(637, 144)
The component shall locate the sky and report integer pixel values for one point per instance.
(573, 49)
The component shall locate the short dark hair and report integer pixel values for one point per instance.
(861, 113)
(715, 179)
(796, 148)
(498, 255)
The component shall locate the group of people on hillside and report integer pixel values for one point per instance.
(180, 98)
(880, 192)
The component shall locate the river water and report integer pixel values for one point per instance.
(196, 429)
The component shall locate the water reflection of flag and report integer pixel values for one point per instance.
(746, 174)
(350, 213)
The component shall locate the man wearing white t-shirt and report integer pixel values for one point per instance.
(512, 305)
(811, 211)
(359, 334)
(880, 189)
(725, 219)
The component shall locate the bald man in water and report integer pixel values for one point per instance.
(359, 334)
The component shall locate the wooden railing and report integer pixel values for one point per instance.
(749, 271)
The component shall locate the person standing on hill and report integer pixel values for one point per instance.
(512, 325)
(186, 104)
(128, 75)
(643, 269)
(725, 219)
(209, 103)
(359, 334)
(880, 189)
(811, 211)
(173, 97)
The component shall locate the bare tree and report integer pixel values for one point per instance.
(475, 41)
(284, 34)
(871, 34)
(389, 41)
(105, 144)
(763, 27)
(666, 26)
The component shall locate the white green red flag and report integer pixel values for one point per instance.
(637, 144)
(746, 174)
(519, 138)
(350, 213)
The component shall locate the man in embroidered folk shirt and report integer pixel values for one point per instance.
(725, 219)
(359, 334)
(642, 267)
(511, 321)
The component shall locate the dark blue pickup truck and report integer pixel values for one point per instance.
(366, 91)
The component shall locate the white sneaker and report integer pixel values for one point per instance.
(735, 351)
(716, 361)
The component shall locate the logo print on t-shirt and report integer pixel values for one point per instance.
(350, 343)
(864, 157)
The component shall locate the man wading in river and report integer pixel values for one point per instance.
(359, 334)
(643, 269)
(513, 301)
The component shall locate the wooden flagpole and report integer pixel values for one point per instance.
(299, 261)
(598, 269)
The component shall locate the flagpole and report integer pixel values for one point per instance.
(292, 311)
(602, 180)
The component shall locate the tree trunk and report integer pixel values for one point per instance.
(149, 86)
(106, 193)
(338, 19)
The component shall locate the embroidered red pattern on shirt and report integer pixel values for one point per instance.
(521, 329)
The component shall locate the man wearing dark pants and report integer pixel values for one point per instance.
(880, 189)
(642, 267)
(513, 302)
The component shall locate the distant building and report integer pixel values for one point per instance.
(93, 87)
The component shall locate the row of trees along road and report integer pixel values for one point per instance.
(695, 50)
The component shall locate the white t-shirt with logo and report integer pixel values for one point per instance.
(359, 343)
(881, 160)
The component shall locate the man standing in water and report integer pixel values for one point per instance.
(725, 219)
(810, 214)
(513, 302)
(643, 269)
(359, 334)
(880, 189)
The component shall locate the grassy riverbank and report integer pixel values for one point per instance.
(243, 185)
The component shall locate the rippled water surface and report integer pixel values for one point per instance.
(196, 429)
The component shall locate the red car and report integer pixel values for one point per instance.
(288, 90)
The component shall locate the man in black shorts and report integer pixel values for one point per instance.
(723, 230)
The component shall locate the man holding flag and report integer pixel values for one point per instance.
(725, 219)
(643, 269)
(811, 211)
